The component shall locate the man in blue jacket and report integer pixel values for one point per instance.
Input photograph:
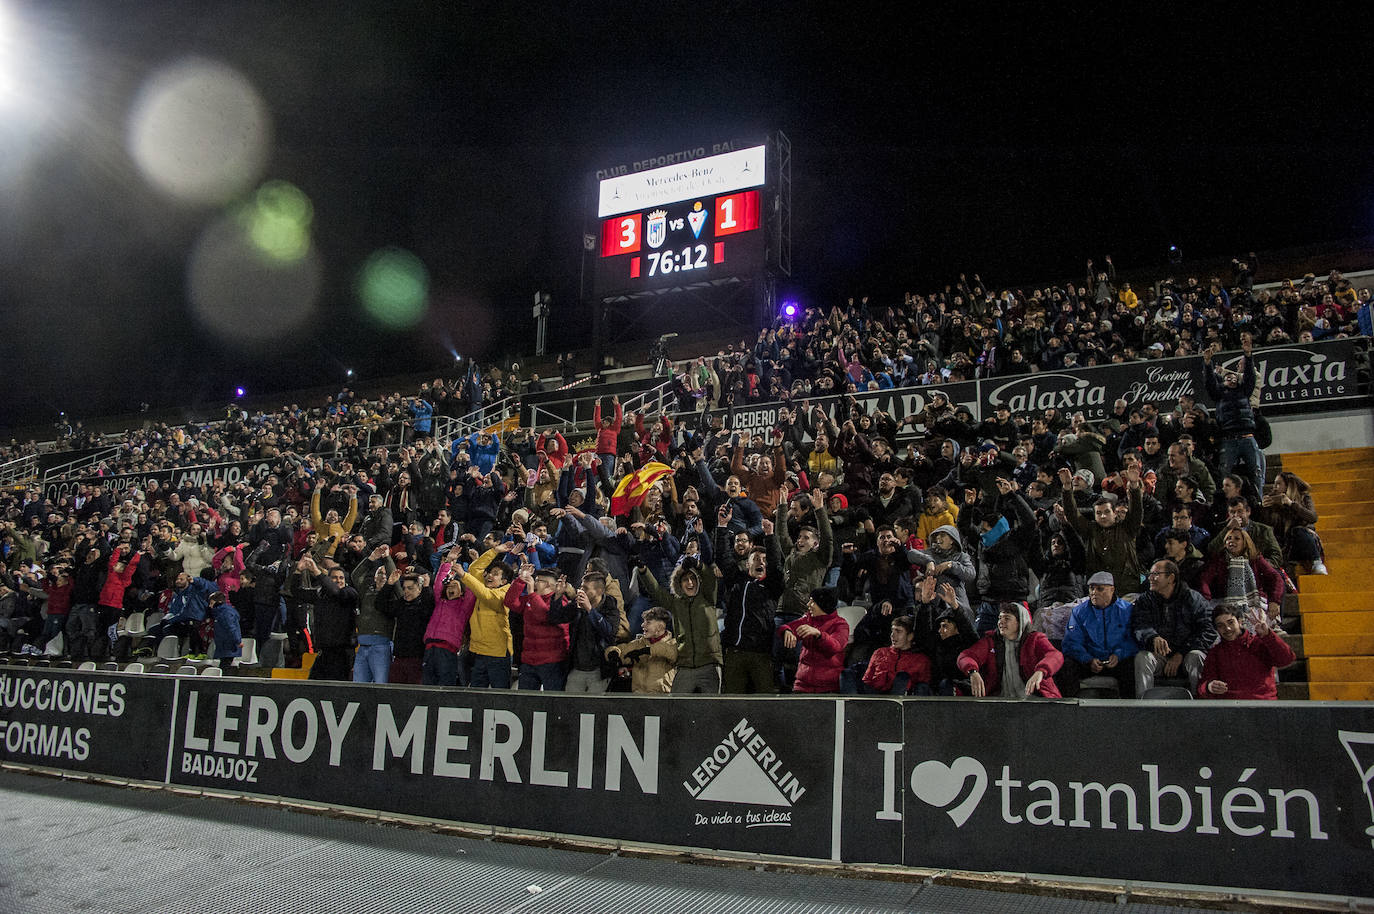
(1098, 640)
(483, 450)
(186, 610)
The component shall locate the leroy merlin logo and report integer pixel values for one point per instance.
(743, 768)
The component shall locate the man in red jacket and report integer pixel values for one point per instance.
(1241, 665)
(823, 634)
(899, 669)
(544, 653)
(607, 433)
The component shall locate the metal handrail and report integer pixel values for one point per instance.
(542, 417)
(73, 467)
(19, 470)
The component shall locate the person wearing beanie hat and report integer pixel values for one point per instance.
(823, 635)
(1012, 661)
(1098, 641)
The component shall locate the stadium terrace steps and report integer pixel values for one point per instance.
(1339, 691)
(1337, 610)
(1344, 623)
(1334, 644)
(1341, 601)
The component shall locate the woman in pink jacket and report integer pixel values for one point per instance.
(448, 627)
(228, 565)
(823, 635)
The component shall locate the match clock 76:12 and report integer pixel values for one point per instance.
(689, 258)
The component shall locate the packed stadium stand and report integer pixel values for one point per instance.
(1080, 492)
(531, 474)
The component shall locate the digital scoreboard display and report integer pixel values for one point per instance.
(680, 224)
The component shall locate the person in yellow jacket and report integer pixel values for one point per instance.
(940, 511)
(329, 527)
(489, 628)
(652, 656)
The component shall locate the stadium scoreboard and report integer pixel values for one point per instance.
(679, 224)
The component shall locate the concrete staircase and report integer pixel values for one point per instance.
(1337, 610)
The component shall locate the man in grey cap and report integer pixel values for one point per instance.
(1099, 641)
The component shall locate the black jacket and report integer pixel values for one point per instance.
(750, 605)
(1183, 620)
(333, 621)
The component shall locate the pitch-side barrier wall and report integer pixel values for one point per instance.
(1254, 795)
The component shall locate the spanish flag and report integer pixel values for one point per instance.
(632, 489)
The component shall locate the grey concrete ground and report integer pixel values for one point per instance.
(70, 846)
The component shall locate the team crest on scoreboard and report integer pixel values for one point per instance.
(657, 228)
(696, 219)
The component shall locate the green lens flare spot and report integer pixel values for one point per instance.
(393, 286)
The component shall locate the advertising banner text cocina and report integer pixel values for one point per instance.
(1252, 795)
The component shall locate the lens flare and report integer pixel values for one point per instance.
(393, 286)
(245, 296)
(199, 132)
(278, 221)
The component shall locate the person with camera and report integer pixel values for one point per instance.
(593, 619)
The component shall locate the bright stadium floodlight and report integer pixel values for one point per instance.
(789, 311)
(238, 393)
(11, 61)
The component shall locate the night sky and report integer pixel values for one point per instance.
(924, 142)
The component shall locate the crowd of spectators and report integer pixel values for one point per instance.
(970, 330)
(338, 422)
(1016, 556)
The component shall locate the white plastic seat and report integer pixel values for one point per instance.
(169, 648)
(88, 666)
(212, 671)
(187, 670)
(153, 619)
(135, 668)
(250, 653)
(853, 615)
(136, 625)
